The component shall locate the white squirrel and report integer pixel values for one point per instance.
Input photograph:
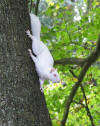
(43, 59)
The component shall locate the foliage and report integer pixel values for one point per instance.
(70, 31)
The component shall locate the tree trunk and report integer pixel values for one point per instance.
(21, 101)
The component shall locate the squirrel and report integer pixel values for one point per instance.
(43, 60)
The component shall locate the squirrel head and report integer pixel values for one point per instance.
(53, 75)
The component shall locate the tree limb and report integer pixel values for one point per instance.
(89, 61)
(86, 106)
(76, 61)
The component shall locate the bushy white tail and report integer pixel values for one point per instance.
(35, 25)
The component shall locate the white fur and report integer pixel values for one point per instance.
(35, 25)
(43, 60)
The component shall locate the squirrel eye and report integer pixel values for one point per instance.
(54, 75)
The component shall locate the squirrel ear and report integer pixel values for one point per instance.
(52, 70)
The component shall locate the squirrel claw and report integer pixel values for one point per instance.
(41, 90)
(30, 52)
(28, 32)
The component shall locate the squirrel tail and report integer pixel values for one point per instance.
(35, 25)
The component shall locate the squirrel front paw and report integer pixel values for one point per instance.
(41, 89)
(30, 51)
(28, 32)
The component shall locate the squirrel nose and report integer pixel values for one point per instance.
(58, 81)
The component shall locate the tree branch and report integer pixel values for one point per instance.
(89, 5)
(89, 61)
(73, 74)
(79, 103)
(86, 106)
(36, 7)
(31, 6)
(76, 61)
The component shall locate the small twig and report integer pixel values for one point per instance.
(31, 6)
(89, 5)
(79, 103)
(36, 7)
(89, 61)
(86, 107)
(73, 74)
(68, 34)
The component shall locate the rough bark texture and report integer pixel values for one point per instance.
(21, 102)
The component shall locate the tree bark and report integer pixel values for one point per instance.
(21, 101)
